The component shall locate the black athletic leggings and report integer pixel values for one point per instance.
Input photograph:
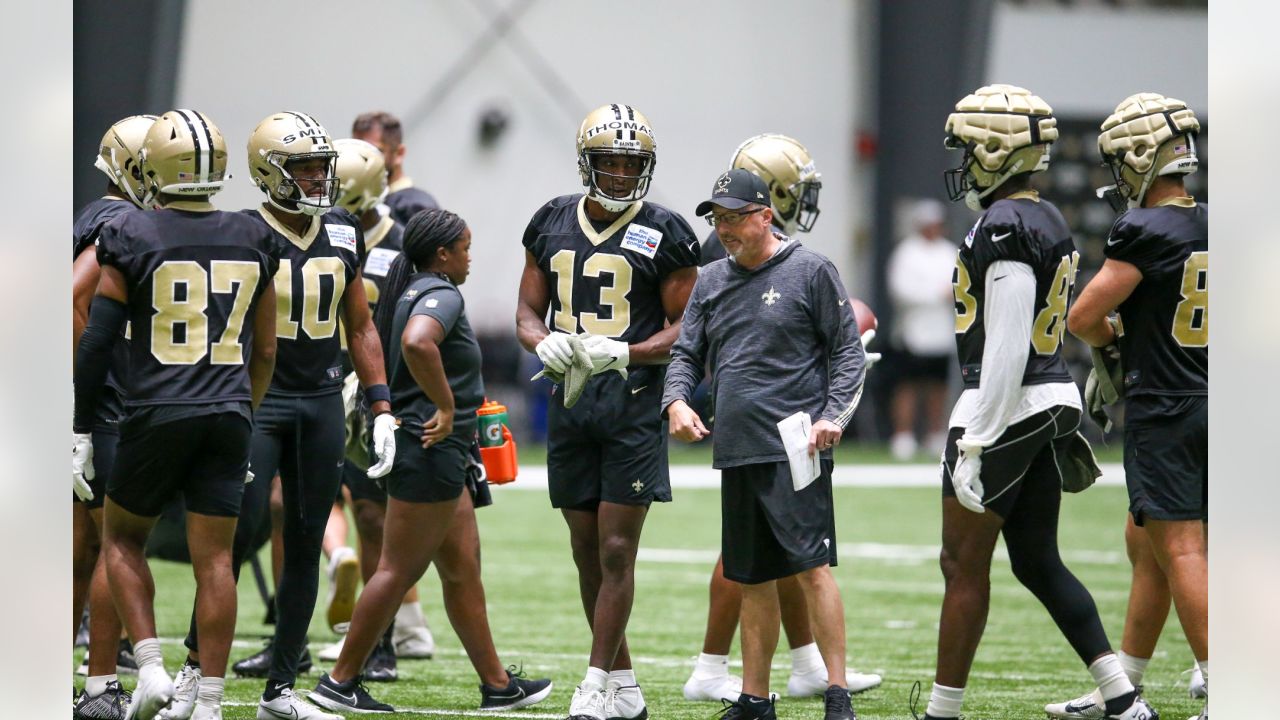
(303, 438)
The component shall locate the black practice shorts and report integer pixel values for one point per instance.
(923, 368)
(1029, 447)
(1166, 466)
(611, 446)
(770, 531)
(428, 475)
(204, 457)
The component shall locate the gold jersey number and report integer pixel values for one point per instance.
(1051, 322)
(313, 270)
(185, 309)
(1191, 319)
(612, 296)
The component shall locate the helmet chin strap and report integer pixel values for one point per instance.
(609, 203)
(973, 198)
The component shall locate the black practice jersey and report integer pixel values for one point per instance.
(1028, 230)
(193, 279)
(383, 243)
(1164, 347)
(409, 201)
(315, 269)
(606, 280)
(88, 226)
(435, 296)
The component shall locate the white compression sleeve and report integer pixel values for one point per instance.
(1008, 313)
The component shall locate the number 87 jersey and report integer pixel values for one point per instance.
(1020, 228)
(606, 280)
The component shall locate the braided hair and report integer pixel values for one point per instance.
(427, 231)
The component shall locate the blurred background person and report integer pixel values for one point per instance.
(920, 270)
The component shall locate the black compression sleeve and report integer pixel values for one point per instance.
(93, 357)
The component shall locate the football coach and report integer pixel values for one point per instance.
(773, 322)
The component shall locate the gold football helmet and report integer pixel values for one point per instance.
(616, 130)
(118, 155)
(1004, 131)
(285, 137)
(787, 168)
(362, 175)
(1148, 135)
(183, 154)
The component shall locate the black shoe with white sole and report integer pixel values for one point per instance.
(518, 693)
(381, 665)
(350, 696)
(259, 664)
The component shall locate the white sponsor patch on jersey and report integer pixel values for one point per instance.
(379, 261)
(342, 236)
(641, 239)
(431, 302)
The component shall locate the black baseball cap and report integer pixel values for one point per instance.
(735, 190)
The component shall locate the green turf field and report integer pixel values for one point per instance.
(888, 574)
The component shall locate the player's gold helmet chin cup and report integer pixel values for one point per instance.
(1147, 136)
(616, 130)
(362, 175)
(183, 154)
(787, 168)
(286, 137)
(1004, 131)
(119, 155)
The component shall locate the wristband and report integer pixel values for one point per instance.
(378, 392)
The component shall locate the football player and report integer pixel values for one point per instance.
(1015, 423)
(618, 269)
(1155, 355)
(300, 428)
(383, 131)
(788, 170)
(195, 285)
(118, 158)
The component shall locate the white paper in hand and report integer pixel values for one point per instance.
(794, 431)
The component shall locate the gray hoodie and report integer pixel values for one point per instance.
(780, 338)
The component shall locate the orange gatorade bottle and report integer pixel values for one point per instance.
(497, 447)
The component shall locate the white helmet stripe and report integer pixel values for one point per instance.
(204, 143)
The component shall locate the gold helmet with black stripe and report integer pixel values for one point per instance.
(787, 168)
(183, 154)
(120, 155)
(362, 175)
(1147, 136)
(616, 130)
(1004, 130)
(290, 137)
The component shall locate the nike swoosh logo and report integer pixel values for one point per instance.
(637, 390)
(293, 713)
(999, 278)
(998, 238)
(514, 696)
(1078, 708)
(842, 302)
(282, 686)
(1112, 241)
(351, 699)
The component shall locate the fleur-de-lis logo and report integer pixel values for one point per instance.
(770, 297)
(722, 185)
(637, 485)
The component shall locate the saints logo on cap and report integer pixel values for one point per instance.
(722, 185)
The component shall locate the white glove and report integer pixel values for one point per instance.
(965, 479)
(384, 444)
(871, 358)
(554, 351)
(81, 465)
(607, 354)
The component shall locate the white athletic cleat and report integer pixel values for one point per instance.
(713, 689)
(625, 702)
(587, 705)
(331, 653)
(1139, 710)
(344, 580)
(815, 683)
(153, 693)
(185, 686)
(1197, 687)
(413, 642)
(204, 712)
(1086, 707)
(288, 706)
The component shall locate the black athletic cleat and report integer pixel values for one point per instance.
(748, 709)
(350, 696)
(381, 665)
(838, 705)
(518, 693)
(259, 664)
(112, 704)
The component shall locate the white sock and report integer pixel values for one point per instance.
(95, 685)
(147, 652)
(595, 680)
(1204, 670)
(1110, 677)
(410, 615)
(210, 692)
(711, 666)
(622, 678)
(945, 702)
(806, 660)
(1134, 667)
